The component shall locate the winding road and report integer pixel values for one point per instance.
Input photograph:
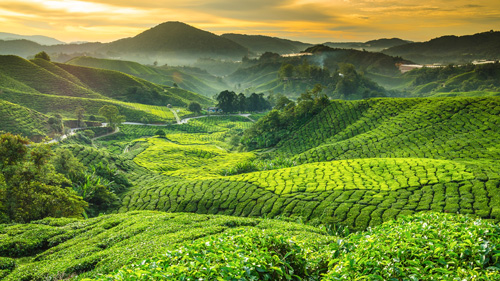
(179, 122)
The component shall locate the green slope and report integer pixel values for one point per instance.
(124, 87)
(41, 79)
(159, 246)
(67, 106)
(20, 120)
(438, 128)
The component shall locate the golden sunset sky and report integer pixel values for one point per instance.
(313, 21)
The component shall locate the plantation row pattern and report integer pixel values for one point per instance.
(436, 128)
(357, 208)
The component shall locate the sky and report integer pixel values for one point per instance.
(312, 21)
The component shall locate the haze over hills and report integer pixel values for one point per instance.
(40, 39)
(372, 45)
(174, 41)
(259, 44)
(186, 78)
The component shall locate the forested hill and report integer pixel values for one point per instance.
(451, 49)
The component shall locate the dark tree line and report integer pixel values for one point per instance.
(231, 102)
(286, 117)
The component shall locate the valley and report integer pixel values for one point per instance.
(247, 163)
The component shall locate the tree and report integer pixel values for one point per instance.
(160, 133)
(111, 114)
(241, 102)
(30, 187)
(56, 124)
(194, 107)
(80, 115)
(286, 71)
(42, 55)
(281, 102)
(227, 101)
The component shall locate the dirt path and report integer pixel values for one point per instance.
(176, 116)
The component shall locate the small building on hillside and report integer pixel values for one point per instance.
(214, 110)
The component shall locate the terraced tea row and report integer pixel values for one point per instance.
(453, 128)
(471, 191)
(17, 119)
(358, 174)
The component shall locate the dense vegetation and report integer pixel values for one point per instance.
(151, 246)
(451, 80)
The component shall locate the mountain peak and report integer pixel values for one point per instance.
(181, 38)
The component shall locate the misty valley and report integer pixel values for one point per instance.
(180, 154)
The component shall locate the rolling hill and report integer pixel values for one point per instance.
(451, 49)
(40, 76)
(20, 120)
(357, 163)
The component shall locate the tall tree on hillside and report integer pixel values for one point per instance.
(226, 101)
(194, 107)
(112, 115)
(241, 102)
(80, 115)
(42, 55)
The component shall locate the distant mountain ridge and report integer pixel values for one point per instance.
(40, 39)
(259, 43)
(451, 49)
(372, 45)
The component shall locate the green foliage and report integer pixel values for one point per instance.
(231, 102)
(112, 116)
(194, 107)
(427, 246)
(42, 55)
(269, 130)
(62, 248)
(152, 245)
(30, 188)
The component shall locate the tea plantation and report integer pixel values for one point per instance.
(178, 246)
(415, 181)
(357, 163)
